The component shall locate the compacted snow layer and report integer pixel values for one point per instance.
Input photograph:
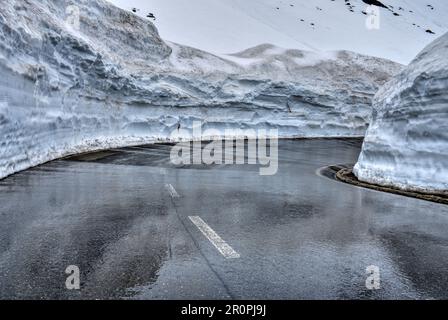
(114, 82)
(407, 142)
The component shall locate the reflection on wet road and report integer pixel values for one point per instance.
(297, 234)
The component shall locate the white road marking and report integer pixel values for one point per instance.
(226, 250)
(172, 191)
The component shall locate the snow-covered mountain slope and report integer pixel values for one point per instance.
(407, 142)
(224, 26)
(114, 82)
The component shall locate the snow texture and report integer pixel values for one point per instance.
(114, 82)
(407, 142)
(224, 26)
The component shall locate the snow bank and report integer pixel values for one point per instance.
(407, 142)
(115, 82)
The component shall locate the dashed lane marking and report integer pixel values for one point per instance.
(226, 250)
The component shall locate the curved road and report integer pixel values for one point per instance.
(140, 228)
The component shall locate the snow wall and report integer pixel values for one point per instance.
(84, 75)
(407, 142)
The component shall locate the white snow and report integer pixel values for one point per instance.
(226, 26)
(407, 142)
(115, 82)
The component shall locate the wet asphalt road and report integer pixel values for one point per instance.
(298, 235)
